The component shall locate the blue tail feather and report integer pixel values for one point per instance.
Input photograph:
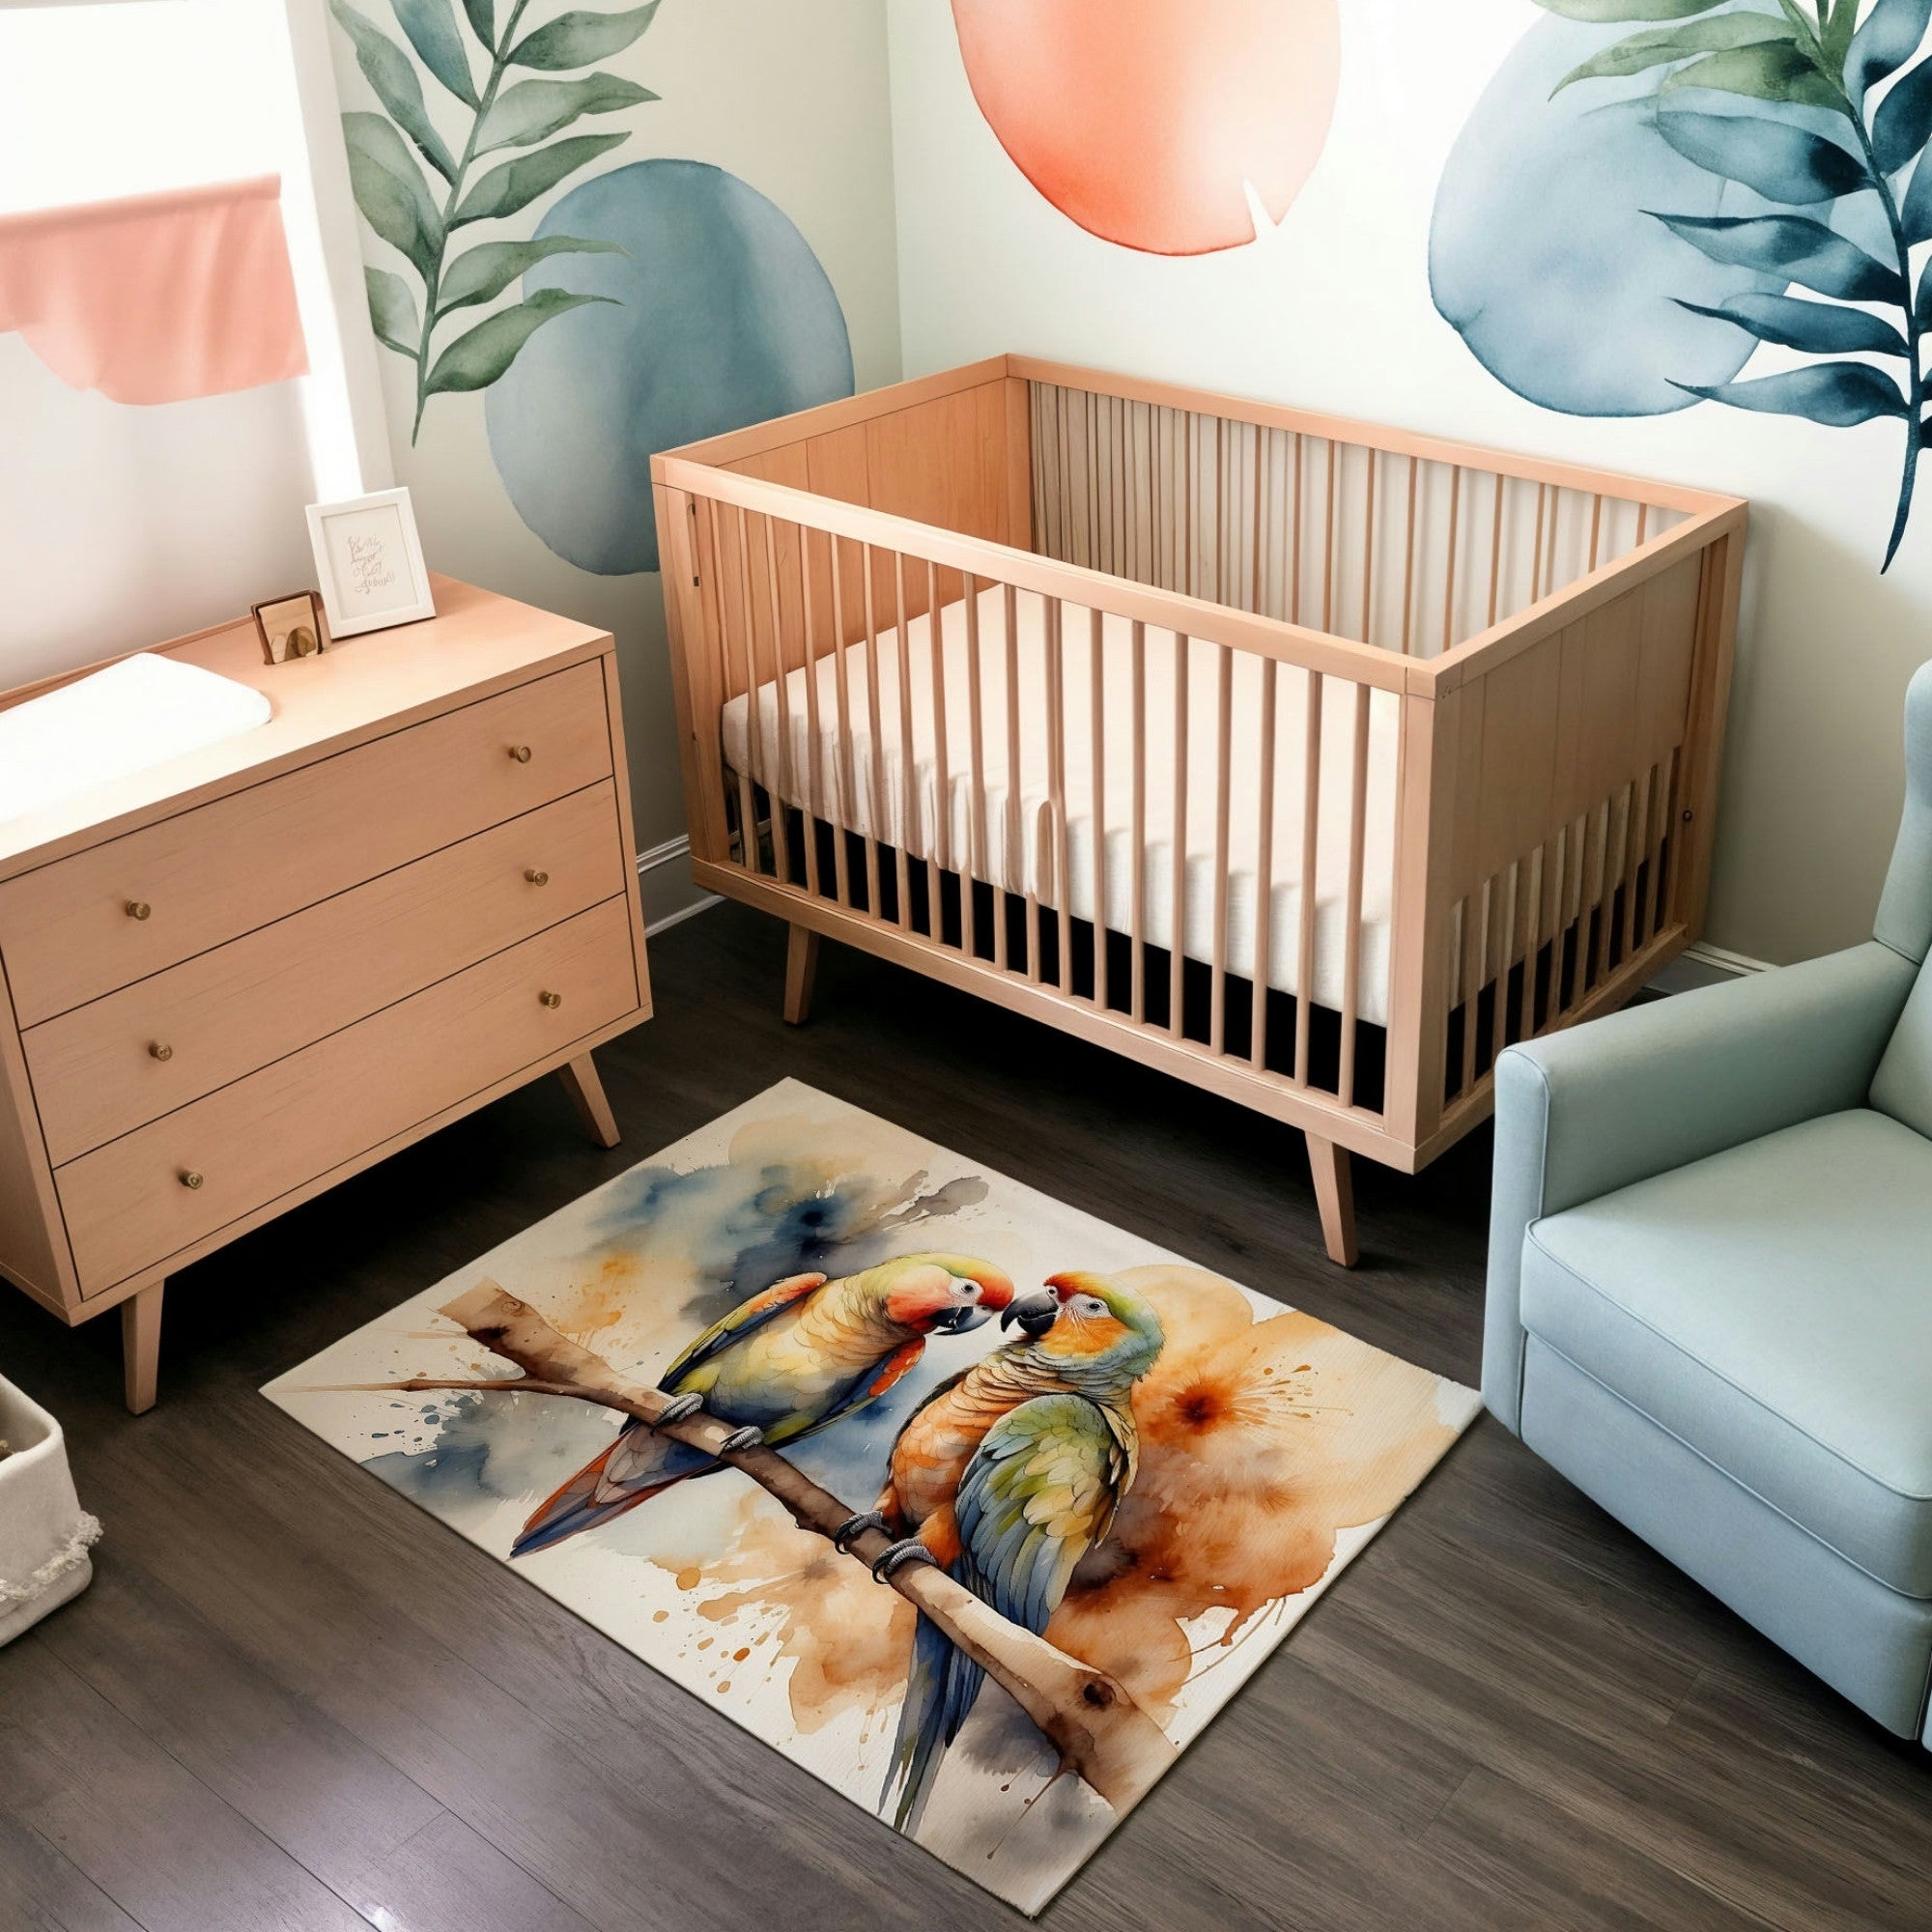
(941, 1685)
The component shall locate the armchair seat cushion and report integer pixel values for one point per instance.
(1772, 1307)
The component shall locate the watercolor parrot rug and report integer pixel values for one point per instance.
(971, 1505)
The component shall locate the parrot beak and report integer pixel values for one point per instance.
(960, 1321)
(1035, 1314)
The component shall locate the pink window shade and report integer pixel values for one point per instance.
(156, 297)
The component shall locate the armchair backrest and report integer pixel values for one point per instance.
(1903, 1086)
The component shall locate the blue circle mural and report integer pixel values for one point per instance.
(718, 315)
(1546, 256)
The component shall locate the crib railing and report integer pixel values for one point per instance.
(1544, 649)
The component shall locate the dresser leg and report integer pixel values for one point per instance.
(801, 969)
(141, 1347)
(586, 1089)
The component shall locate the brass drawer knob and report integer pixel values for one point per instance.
(159, 1049)
(190, 1179)
(520, 753)
(551, 999)
(537, 878)
(138, 908)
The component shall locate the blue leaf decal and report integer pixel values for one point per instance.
(1838, 394)
(1889, 37)
(1903, 122)
(1795, 247)
(1781, 161)
(1818, 328)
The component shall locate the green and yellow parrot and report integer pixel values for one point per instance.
(779, 1367)
(1006, 1477)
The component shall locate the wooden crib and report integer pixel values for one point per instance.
(1307, 760)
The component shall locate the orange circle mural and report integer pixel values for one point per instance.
(1142, 118)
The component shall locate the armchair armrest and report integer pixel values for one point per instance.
(1595, 1108)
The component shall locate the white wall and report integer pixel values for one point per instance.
(120, 524)
(1333, 310)
(792, 99)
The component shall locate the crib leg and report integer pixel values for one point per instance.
(1335, 1196)
(801, 969)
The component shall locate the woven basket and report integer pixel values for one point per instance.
(45, 1533)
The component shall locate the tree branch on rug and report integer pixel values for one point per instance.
(1101, 1734)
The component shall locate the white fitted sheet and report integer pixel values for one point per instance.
(1026, 862)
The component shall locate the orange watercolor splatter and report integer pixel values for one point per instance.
(1141, 120)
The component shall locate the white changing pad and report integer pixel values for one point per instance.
(1029, 868)
(140, 712)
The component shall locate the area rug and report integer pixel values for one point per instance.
(1099, 1485)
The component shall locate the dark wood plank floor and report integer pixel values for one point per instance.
(291, 1700)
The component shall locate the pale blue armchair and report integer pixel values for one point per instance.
(1710, 1290)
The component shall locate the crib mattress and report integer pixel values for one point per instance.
(895, 797)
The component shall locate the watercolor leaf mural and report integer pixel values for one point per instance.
(1807, 129)
(396, 197)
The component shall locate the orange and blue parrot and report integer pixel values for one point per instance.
(781, 1366)
(1004, 1478)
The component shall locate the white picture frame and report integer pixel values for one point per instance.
(370, 563)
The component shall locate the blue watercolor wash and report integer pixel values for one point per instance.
(1542, 255)
(722, 317)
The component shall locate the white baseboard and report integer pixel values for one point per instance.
(663, 879)
(1724, 959)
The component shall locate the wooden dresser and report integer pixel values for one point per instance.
(233, 980)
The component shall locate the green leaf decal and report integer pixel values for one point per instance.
(1903, 122)
(388, 68)
(475, 359)
(515, 185)
(1769, 73)
(491, 267)
(1715, 33)
(1838, 35)
(1791, 247)
(1818, 328)
(393, 309)
(483, 21)
(390, 191)
(1887, 40)
(1836, 394)
(576, 39)
(1782, 163)
(432, 29)
(533, 110)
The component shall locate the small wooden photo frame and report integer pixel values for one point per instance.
(290, 627)
(370, 561)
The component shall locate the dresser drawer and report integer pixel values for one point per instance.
(130, 1205)
(132, 1056)
(104, 918)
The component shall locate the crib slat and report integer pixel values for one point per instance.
(1352, 931)
(1224, 723)
(1500, 1035)
(1311, 817)
(749, 853)
(1263, 868)
(843, 777)
(1294, 557)
(1595, 525)
(815, 786)
(1535, 546)
(1449, 581)
(1635, 834)
(1328, 546)
(779, 801)
(1475, 959)
(1255, 594)
(1097, 756)
(1178, 932)
(1369, 553)
(1606, 899)
(1665, 842)
(908, 777)
(1019, 870)
(1055, 784)
(939, 846)
(1496, 546)
(976, 817)
(1139, 893)
(875, 808)
(1531, 940)
(1409, 565)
